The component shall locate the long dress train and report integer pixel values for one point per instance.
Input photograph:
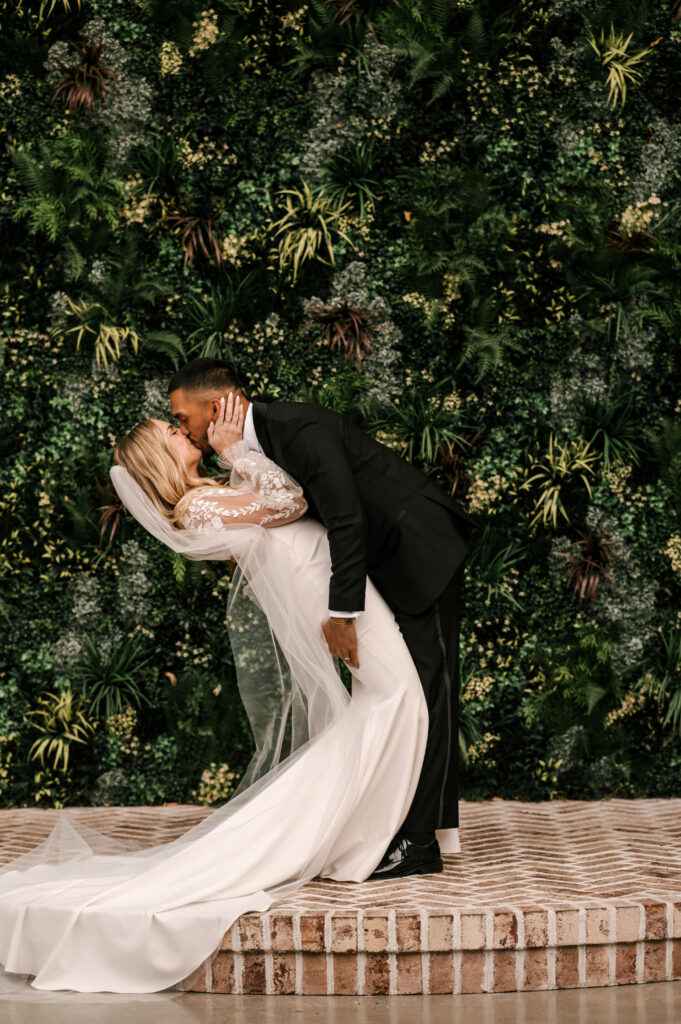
(142, 922)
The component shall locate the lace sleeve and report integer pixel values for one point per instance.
(255, 473)
(259, 492)
(221, 506)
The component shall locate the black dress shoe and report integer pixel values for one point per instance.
(404, 857)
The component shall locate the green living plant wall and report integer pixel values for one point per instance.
(458, 224)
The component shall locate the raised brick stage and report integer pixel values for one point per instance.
(551, 895)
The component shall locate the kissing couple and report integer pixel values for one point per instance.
(342, 551)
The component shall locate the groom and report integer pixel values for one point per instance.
(387, 520)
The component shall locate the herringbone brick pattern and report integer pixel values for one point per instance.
(551, 895)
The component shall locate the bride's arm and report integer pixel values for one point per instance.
(253, 472)
(259, 492)
(220, 507)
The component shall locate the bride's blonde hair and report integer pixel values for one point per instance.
(159, 470)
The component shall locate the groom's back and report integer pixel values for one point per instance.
(374, 465)
(417, 534)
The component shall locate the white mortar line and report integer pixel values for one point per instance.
(640, 945)
(456, 946)
(488, 976)
(456, 930)
(392, 956)
(612, 949)
(581, 945)
(669, 944)
(238, 959)
(267, 950)
(519, 947)
(551, 940)
(489, 929)
(640, 971)
(361, 953)
(457, 972)
(328, 945)
(488, 971)
(425, 954)
(641, 922)
(297, 943)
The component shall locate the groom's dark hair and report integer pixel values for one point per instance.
(205, 375)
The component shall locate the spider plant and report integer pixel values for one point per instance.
(211, 316)
(610, 424)
(46, 11)
(424, 427)
(101, 320)
(114, 681)
(89, 321)
(347, 176)
(613, 54)
(61, 719)
(557, 470)
(306, 227)
(491, 564)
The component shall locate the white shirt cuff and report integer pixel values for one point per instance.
(344, 615)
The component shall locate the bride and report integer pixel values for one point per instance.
(330, 782)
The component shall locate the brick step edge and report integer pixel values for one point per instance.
(424, 931)
(441, 973)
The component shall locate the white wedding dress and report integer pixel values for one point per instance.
(87, 915)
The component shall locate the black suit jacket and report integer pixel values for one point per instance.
(384, 517)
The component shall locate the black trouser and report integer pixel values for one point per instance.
(433, 641)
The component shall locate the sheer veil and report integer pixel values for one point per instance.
(293, 696)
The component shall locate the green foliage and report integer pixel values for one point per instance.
(306, 227)
(665, 448)
(555, 471)
(610, 424)
(205, 719)
(347, 176)
(422, 428)
(665, 682)
(492, 290)
(61, 720)
(115, 680)
(569, 681)
(68, 193)
(614, 55)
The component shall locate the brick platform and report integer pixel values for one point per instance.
(553, 895)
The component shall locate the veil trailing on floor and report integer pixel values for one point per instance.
(293, 695)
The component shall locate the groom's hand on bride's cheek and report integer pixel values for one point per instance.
(341, 637)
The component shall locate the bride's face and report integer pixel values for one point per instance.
(188, 452)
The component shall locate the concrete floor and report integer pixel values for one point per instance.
(627, 1004)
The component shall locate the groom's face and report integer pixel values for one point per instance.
(194, 414)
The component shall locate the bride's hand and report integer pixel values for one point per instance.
(228, 427)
